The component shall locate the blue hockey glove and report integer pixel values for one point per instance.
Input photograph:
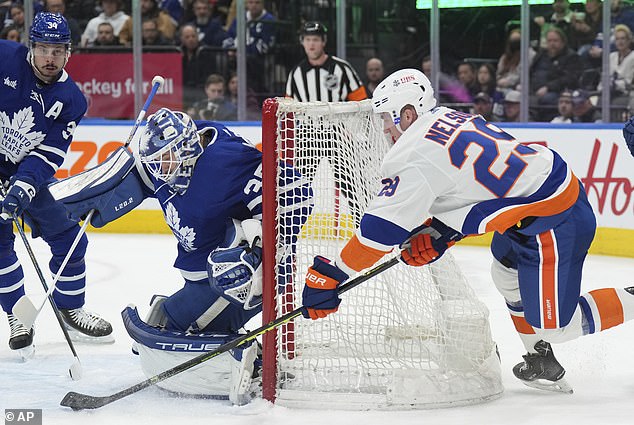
(628, 134)
(18, 198)
(320, 296)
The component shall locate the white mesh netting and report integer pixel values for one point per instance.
(407, 338)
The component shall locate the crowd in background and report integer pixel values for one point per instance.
(564, 70)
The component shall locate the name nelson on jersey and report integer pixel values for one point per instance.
(443, 128)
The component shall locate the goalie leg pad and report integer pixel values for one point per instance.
(197, 308)
(160, 350)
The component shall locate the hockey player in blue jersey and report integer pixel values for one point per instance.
(40, 107)
(208, 181)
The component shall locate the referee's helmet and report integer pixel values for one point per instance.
(314, 28)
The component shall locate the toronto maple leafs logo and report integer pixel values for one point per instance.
(17, 136)
(185, 235)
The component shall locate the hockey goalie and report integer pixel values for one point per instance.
(208, 182)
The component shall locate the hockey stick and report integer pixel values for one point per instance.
(24, 309)
(78, 401)
(75, 370)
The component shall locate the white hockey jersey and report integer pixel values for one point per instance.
(466, 172)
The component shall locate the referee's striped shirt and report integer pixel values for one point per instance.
(334, 81)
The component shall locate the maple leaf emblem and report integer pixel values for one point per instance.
(185, 235)
(16, 135)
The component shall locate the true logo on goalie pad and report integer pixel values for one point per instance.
(185, 347)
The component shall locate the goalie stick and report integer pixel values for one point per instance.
(78, 401)
(24, 309)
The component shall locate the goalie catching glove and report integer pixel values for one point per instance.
(320, 296)
(235, 269)
(430, 243)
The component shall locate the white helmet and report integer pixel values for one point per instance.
(404, 87)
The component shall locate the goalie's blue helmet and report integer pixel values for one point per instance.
(169, 147)
(51, 28)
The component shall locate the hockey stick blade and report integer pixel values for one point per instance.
(78, 401)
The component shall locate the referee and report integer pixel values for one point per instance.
(321, 77)
(326, 78)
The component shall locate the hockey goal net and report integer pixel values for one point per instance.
(410, 337)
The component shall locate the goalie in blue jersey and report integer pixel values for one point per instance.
(40, 107)
(208, 181)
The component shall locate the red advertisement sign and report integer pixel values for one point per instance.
(106, 79)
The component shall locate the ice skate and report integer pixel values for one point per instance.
(21, 339)
(541, 370)
(84, 326)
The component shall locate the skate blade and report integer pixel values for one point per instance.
(560, 386)
(26, 353)
(77, 336)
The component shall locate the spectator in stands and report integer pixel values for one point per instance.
(215, 107)
(564, 107)
(112, 13)
(150, 10)
(512, 100)
(554, 68)
(193, 81)
(621, 14)
(151, 34)
(467, 76)
(10, 32)
(449, 90)
(584, 31)
(210, 31)
(509, 67)
(17, 17)
(621, 66)
(105, 36)
(374, 74)
(483, 105)
(174, 8)
(485, 79)
(59, 6)
(254, 112)
(259, 41)
(582, 108)
(82, 11)
(561, 18)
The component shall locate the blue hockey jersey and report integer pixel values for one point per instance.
(226, 183)
(37, 120)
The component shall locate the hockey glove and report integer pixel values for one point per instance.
(18, 198)
(628, 134)
(320, 297)
(429, 245)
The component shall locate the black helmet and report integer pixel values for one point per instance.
(314, 28)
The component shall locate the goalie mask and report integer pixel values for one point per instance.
(404, 87)
(169, 148)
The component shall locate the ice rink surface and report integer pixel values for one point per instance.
(124, 269)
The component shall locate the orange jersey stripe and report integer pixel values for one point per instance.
(358, 94)
(522, 326)
(358, 256)
(543, 208)
(548, 270)
(609, 306)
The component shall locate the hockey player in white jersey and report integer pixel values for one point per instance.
(473, 178)
(40, 107)
(208, 181)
